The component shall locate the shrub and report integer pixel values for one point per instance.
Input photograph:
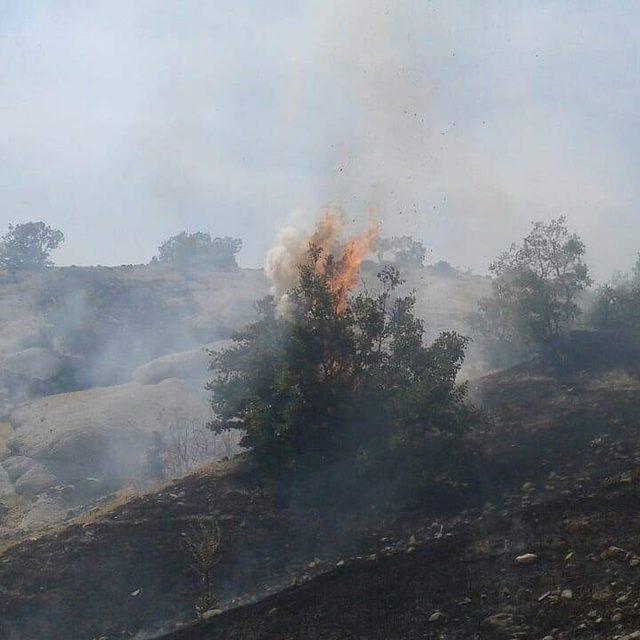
(203, 542)
(189, 444)
(340, 378)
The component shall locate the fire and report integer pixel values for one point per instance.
(353, 253)
(284, 259)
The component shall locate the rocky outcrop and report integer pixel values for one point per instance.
(35, 481)
(6, 486)
(20, 333)
(102, 433)
(17, 466)
(191, 366)
(35, 363)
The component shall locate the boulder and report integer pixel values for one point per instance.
(35, 481)
(6, 431)
(16, 466)
(35, 363)
(102, 433)
(191, 366)
(6, 486)
(42, 511)
(20, 333)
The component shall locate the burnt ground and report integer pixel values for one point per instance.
(467, 584)
(561, 463)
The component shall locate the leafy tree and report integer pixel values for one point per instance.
(191, 248)
(406, 251)
(443, 268)
(341, 378)
(27, 246)
(535, 290)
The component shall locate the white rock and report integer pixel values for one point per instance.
(211, 613)
(526, 558)
(191, 366)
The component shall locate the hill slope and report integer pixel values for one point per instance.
(561, 476)
(584, 582)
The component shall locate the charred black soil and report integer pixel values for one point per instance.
(560, 456)
(468, 585)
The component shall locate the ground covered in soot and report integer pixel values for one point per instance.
(562, 461)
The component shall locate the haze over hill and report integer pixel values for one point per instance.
(363, 364)
(95, 360)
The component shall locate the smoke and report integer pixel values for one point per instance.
(291, 251)
(461, 121)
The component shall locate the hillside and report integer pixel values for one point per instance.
(556, 477)
(95, 362)
(583, 582)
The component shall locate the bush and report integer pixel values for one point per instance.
(188, 445)
(27, 246)
(198, 248)
(341, 379)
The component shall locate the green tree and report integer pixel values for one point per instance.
(535, 290)
(192, 248)
(617, 304)
(341, 377)
(406, 252)
(28, 246)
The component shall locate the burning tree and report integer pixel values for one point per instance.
(335, 376)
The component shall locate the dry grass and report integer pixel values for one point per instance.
(615, 379)
(482, 547)
(203, 541)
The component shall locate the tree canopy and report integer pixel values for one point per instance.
(331, 381)
(27, 246)
(191, 248)
(406, 252)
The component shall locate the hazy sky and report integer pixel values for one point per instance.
(459, 122)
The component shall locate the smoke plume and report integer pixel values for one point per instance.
(291, 250)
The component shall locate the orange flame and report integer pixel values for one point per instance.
(291, 250)
(354, 252)
(328, 230)
(349, 256)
